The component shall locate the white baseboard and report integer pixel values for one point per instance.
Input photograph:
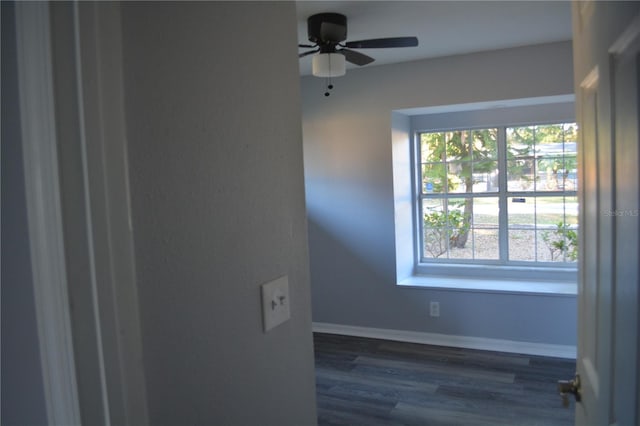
(468, 342)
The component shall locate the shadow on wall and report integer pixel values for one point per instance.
(349, 289)
(351, 213)
(336, 249)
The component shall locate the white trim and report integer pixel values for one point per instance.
(468, 342)
(513, 286)
(42, 192)
(475, 106)
(102, 132)
(590, 82)
(503, 267)
(622, 46)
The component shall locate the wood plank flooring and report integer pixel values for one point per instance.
(372, 382)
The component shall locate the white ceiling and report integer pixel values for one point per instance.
(443, 28)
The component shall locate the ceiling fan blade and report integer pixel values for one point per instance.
(307, 45)
(307, 53)
(356, 57)
(378, 43)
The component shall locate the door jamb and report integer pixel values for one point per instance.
(44, 214)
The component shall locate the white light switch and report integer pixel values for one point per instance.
(275, 303)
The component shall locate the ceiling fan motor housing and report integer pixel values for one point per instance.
(327, 28)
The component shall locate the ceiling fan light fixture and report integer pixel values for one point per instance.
(329, 65)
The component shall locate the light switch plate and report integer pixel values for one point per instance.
(275, 303)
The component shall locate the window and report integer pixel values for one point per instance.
(503, 196)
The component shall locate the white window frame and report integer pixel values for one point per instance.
(490, 269)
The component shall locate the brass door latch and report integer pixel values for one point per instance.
(567, 387)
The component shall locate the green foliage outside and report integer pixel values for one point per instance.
(520, 153)
(443, 230)
(453, 160)
(562, 242)
(558, 170)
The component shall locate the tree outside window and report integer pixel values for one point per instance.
(462, 192)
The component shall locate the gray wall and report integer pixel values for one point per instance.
(350, 194)
(217, 186)
(22, 386)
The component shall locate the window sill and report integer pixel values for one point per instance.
(466, 284)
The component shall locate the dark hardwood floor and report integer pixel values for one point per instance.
(371, 382)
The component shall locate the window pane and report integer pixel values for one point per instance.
(433, 178)
(547, 225)
(550, 211)
(458, 145)
(520, 158)
(520, 174)
(550, 157)
(571, 239)
(522, 245)
(546, 251)
(570, 132)
(559, 244)
(571, 210)
(549, 134)
(459, 213)
(485, 212)
(521, 212)
(483, 239)
(432, 205)
(485, 176)
(435, 233)
(481, 244)
(446, 225)
(486, 244)
(558, 230)
(485, 144)
(570, 172)
(436, 243)
(461, 228)
(520, 142)
(432, 147)
(459, 176)
(551, 174)
(556, 155)
(522, 225)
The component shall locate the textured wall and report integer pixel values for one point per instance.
(350, 194)
(217, 190)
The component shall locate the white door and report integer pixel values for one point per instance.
(606, 66)
(625, 73)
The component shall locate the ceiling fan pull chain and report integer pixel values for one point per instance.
(329, 86)
(328, 81)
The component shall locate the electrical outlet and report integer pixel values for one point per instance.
(434, 309)
(275, 303)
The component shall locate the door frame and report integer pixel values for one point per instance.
(44, 211)
(96, 93)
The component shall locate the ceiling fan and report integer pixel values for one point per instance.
(328, 32)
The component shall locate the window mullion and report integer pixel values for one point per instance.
(503, 232)
(417, 161)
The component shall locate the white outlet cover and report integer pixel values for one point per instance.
(434, 309)
(275, 303)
